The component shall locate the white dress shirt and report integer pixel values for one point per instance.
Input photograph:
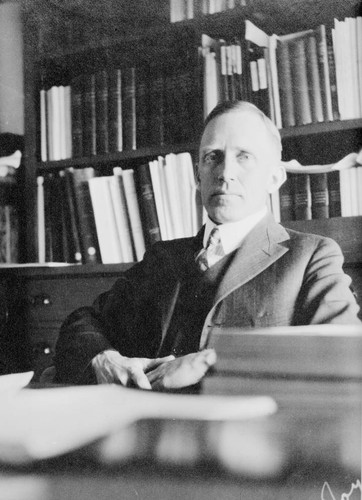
(233, 233)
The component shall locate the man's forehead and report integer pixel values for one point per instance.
(232, 122)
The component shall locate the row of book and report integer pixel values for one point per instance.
(180, 10)
(321, 196)
(296, 79)
(118, 109)
(86, 218)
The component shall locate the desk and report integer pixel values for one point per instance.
(289, 455)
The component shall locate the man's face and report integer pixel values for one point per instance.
(236, 165)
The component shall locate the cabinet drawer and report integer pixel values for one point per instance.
(53, 299)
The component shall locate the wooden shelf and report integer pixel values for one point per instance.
(72, 270)
(321, 128)
(347, 231)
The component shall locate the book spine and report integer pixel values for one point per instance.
(156, 99)
(43, 126)
(86, 222)
(121, 214)
(147, 204)
(75, 250)
(320, 196)
(334, 194)
(40, 219)
(302, 108)
(89, 116)
(76, 112)
(115, 132)
(285, 84)
(302, 197)
(315, 94)
(332, 79)
(134, 213)
(142, 109)
(101, 89)
(324, 72)
(286, 197)
(105, 223)
(129, 108)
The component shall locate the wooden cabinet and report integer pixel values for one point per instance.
(39, 300)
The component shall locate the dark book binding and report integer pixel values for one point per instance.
(89, 116)
(286, 199)
(75, 251)
(285, 85)
(129, 108)
(101, 95)
(302, 109)
(302, 197)
(142, 108)
(147, 204)
(156, 107)
(85, 216)
(334, 194)
(320, 196)
(115, 133)
(77, 119)
(315, 94)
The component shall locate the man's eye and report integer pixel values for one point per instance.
(213, 158)
(244, 155)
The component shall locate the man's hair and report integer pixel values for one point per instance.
(225, 107)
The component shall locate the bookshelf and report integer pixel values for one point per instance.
(61, 37)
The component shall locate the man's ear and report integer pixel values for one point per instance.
(279, 176)
(197, 176)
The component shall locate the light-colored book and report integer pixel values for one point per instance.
(40, 219)
(43, 126)
(159, 199)
(121, 214)
(187, 189)
(68, 121)
(174, 195)
(107, 232)
(134, 212)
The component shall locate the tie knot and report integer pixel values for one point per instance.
(214, 238)
(213, 251)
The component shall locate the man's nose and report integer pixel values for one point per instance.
(227, 170)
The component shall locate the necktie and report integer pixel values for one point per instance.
(213, 251)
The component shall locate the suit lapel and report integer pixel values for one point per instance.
(261, 247)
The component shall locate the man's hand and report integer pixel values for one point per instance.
(181, 372)
(111, 367)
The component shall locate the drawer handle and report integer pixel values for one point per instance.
(40, 300)
(43, 348)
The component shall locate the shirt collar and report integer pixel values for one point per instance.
(233, 233)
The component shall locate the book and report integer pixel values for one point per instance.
(40, 219)
(101, 108)
(156, 107)
(320, 196)
(302, 197)
(134, 213)
(74, 245)
(89, 116)
(77, 95)
(286, 197)
(315, 94)
(68, 121)
(9, 234)
(129, 108)
(142, 108)
(121, 214)
(43, 125)
(147, 204)
(302, 107)
(159, 198)
(285, 85)
(115, 123)
(105, 222)
(332, 351)
(324, 74)
(85, 217)
(334, 194)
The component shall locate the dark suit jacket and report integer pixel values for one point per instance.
(277, 277)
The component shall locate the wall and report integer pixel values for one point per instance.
(11, 69)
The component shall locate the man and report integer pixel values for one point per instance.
(152, 328)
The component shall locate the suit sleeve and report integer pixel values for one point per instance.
(124, 319)
(326, 296)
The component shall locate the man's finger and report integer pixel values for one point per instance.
(150, 364)
(139, 378)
